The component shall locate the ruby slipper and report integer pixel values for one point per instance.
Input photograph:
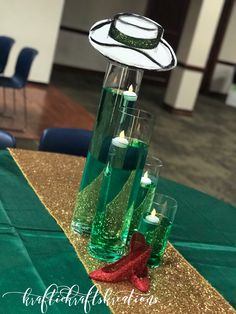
(141, 281)
(131, 267)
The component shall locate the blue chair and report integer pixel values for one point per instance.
(66, 141)
(5, 48)
(22, 69)
(6, 140)
(19, 79)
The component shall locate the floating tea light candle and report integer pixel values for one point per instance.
(149, 224)
(120, 141)
(130, 95)
(129, 99)
(152, 218)
(146, 192)
(145, 180)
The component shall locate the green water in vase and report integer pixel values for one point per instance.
(86, 200)
(118, 193)
(108, 115)
(143, 203)
(156, 236)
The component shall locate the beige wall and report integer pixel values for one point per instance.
(33, 24)
(228, 48)
(222, 78)
(73, 49)
(199, 29)
(223, 73)
(82, 14)
(193, 51)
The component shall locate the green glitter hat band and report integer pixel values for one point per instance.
(142, 43)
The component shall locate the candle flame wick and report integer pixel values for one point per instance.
(131, 88)
(122, 134)
(154, 212)
(146, 174)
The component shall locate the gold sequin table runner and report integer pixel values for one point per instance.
(176, 286)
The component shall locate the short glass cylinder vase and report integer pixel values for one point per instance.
(156, 225)
(120, 185)
(120, 90)
(147, 189)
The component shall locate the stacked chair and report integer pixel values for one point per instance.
(5, 48)
(66, 140)
(6, 140)
(20, 76)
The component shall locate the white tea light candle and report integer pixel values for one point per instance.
(152, 218)
(145, 180)
(149, 224)
(130, 95)
(120, 141)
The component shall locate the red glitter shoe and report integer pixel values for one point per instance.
(131, 267)
(141, 281)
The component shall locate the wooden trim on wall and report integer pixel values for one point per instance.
(190, 67)
(65, 68)
(180, 112)
(74, 30)
(226, 63)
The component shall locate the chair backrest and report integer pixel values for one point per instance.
(5, 48)
(66, 141)
(6, 140)
(23, 64)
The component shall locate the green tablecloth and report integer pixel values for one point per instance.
(204, 232)
(35, 253)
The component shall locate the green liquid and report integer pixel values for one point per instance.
(86, 200)
(106, 123)
(143, 203)
(143, 190)
(119, 190)
(92, 169)
(156, 235)
(103, 133)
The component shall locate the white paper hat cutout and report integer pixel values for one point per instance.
(133, 40)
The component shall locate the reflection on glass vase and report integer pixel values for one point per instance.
(120, 90)
(120, 185)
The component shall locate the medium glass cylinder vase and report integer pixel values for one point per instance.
(120, 185)
(120, 90)
(147, 188)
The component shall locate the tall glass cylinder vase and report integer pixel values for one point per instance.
(120, 184)
(120, 90)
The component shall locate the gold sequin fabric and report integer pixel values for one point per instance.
(176, 287)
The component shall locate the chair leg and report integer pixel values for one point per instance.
(2, 96)
(2, 113)
(4, 101)
(14, 110)
(14, 101)
(25, 108)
